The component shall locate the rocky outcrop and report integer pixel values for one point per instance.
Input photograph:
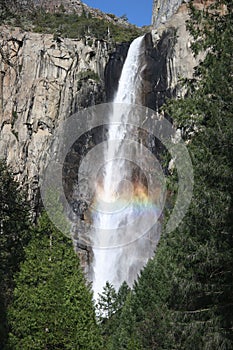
(16, 6)
(80, 8)
(163, 10)
(168, 57)
(42, 82)
(155, 83)
(61, 6)
(114, 68)
(68, 6)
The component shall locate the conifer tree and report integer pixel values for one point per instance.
(14, 236)
(109, 308)
(107, 302)
(52, 306)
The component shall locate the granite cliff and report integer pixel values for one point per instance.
(42, 82)
(163, 10)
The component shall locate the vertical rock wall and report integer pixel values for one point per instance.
(163, 10)
(168, 54)
(42, 82)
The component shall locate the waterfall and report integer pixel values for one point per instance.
(118, 257)
(128, 84)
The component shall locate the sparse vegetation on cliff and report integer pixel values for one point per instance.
(70, 25)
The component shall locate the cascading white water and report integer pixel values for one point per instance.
(126, 93)
(112, 262)
(127, 89)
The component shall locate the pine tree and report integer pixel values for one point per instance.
(109, 310)
(14, 236)
(123, 334)
(52, 307)
(107, 302)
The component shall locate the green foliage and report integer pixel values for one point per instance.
(123, 335)
(14, 236)
(112, 15)
(110, 302)
(61, 8)
(109, 307)
(107, 302)
(124, 17)
(52, 307)
(86, 75)
(201, 302)
(122, 295)
(56, 210)
(14, 117)
(72, 25)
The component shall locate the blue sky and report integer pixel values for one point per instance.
(139, 12)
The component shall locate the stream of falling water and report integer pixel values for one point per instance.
(112, 262)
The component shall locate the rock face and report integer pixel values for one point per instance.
(42, 82)
(70, 6)
(163, 10)
(114, 68)
(168, 56)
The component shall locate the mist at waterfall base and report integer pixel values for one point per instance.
(125, 211)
